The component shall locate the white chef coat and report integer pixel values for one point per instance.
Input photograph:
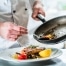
(16, 11)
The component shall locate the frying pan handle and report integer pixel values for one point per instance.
(41, 17)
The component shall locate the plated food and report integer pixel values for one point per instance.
(29, 53)
(32, 52)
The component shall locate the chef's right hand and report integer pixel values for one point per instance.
(11, 31)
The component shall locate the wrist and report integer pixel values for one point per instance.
(38, 2)
(1, 23)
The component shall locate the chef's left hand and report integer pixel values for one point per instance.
(37, 9)
(11, 31)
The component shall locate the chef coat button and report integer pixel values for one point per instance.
(14, 11)
(25, 9)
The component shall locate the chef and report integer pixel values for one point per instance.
(14, 19)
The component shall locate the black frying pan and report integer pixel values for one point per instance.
(57, 24)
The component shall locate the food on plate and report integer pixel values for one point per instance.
(32, 52)
(45, 53)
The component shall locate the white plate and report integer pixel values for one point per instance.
(7, 55)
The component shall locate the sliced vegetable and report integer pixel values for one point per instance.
(45, 53)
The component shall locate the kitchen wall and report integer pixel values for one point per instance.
(54, 8)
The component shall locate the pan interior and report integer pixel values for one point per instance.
(56, 26)
(57, 31)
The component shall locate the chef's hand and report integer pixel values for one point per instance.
(37, 9)
(11, 31)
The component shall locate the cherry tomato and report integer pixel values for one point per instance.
(22, 56)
